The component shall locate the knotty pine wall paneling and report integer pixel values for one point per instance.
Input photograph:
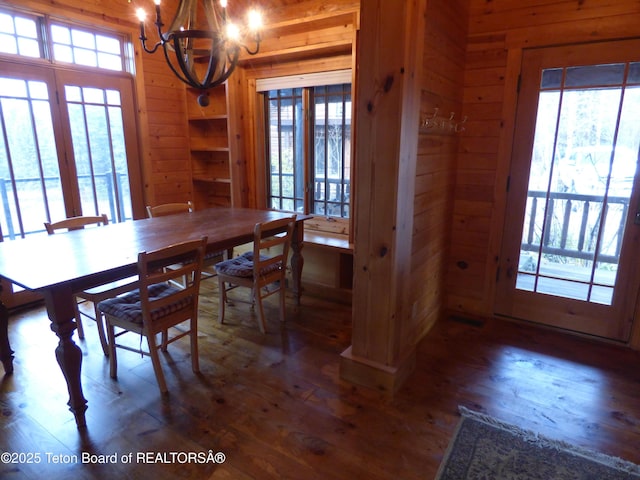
(167, 145)
(499, 30)
(167, 157)
(442, 88)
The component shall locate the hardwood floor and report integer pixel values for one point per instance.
(276, 407)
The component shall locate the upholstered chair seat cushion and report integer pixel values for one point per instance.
(242, 266)
(128, 306)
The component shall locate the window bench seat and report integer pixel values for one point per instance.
(328, 265)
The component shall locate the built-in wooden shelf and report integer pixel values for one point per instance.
(209, 147)
(211, 180)
(206, 148)
(208, 117)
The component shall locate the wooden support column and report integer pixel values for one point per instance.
(390, 48)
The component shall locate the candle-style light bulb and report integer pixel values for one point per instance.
(255, 20)
(233, 32)
(223, 4)
(142, 15)
(158, 20)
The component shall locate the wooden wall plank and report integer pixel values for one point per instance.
(278, 11)
(534, 14)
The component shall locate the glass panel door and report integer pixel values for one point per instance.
(102, 135)
(97, 130)
(569, 242)
(582, 170)
(30, 182)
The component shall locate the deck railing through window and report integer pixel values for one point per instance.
(10, 215)
(334, 192)
(571, 224)
(332, 196)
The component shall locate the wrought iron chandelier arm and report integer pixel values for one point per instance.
(143, 41)
(233, 61)
(255, 50)
(143, 36)
(178, 73)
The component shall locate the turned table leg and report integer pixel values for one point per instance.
(59, 301)
(297, 262)
(6, 354)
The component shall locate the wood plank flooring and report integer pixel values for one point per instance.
(276, 407)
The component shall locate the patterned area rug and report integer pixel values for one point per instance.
(484, 448)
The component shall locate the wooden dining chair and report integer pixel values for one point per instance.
(157, 305)
(95, 294)
(169, 209)
(210, 259)
(264, 266)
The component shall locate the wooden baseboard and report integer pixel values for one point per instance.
(384, 378)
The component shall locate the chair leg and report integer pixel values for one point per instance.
(195, 359)
(165, 340)
(223, 299)
(100, 325)
(78, 320)
(113, 360)
(257, 298)
(155, 360)
(282, 301)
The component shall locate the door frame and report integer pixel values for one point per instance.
(566, 311)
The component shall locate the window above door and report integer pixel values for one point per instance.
(39, 36)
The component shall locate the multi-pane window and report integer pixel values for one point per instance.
(22, 35)
(285, 149)
(19, 35)
(331, 150)
(308, 149)
(31, 187)
(72, 45)
(583, 167)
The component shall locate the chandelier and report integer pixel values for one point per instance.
(202, 53)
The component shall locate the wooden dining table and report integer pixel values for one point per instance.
(60, 265)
